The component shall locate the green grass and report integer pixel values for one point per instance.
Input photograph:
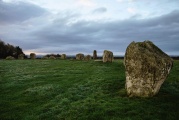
(68, 90)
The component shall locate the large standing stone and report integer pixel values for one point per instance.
(63, 56)
(107, 56)
(32, 56)
(147, 67)
(94, 54)
(79, 56)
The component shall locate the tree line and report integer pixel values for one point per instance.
(9, 50)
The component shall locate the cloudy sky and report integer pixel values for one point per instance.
(81, 26)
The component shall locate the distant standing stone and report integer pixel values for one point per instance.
(63, 56)
(88, 57)
(94, 54)
(32, 56)
(52, 57)
(21, 56)
(79, 56)
(10, 58)
(147, 67)
(107, 56)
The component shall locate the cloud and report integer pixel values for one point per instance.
(68, 32)
(100, 10)
(18, 11)
(87, 3)
(131, 10)
(85, 36)
(120, 1)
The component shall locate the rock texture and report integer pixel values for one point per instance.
(32, 56)
(52, 57)
(63, 56)
(147, 67)
(88, 57)
(94, 54)
(107, 56)
(79, 56)
(21, 56)
(10, 58)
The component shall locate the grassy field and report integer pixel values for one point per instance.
(68, 90)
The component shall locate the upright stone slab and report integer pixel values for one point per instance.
(10, 58)
(32, 56)
(107, 56)
(147, 67)
(88, 57)
(21, 56)
(52, 57)
(79, 56)
(94, 54)
(63, 56)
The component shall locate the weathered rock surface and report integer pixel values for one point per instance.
(94, 54)
(32, 56)
(21, 56)
(107, 56)
(147, 67)
(88, 57)
(79, 56)
(10, 58)
(52, 57)
(63, 56)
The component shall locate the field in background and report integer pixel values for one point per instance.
(69, 89)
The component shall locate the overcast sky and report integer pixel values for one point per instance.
(81, 26)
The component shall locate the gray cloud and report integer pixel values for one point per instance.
(100, 10)
(18, 12)
(114, 35)
(67, 34)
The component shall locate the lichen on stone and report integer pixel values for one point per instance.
(107, 56)
(147, 67)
